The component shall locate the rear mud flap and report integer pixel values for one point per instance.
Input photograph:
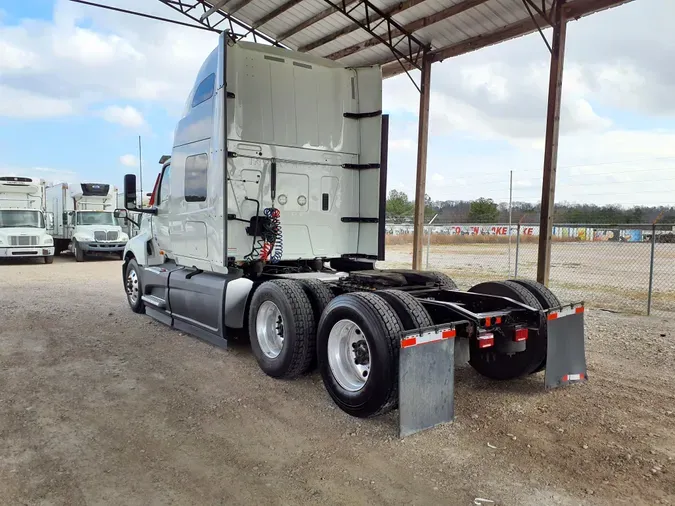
(426, 384)
(566, 354)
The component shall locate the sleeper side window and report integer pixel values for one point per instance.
(196, 177)
(205, 90)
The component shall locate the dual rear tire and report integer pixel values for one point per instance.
(502, 366)
(354, 339)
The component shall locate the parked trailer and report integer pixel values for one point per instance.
(84, 219)
(23, 228)
(269, 215)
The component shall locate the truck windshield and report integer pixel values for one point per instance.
(95, 218)
(21, 218)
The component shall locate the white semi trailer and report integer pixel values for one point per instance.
(269, 215)
(23, 230)
(84, 219)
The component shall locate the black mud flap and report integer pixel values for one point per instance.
(426, 382)
(566, 355)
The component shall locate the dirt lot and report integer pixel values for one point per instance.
(609, 275)
(102, 406)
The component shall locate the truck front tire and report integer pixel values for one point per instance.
(358, 347)
(49, 259)
(78, 252)
(282, 329)
(134, 287)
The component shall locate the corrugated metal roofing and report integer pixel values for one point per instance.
(446, 27)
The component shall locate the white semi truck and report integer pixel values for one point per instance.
(23, 230)
(84, 219)
(269, 216)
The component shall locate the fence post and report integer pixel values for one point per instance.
(429, 238)
(428, 245)
(651, 271)
(515, 274)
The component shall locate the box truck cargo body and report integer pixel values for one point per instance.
(23, 227)
(84, 219)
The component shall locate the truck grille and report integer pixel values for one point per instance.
(99, 235)
(112, 236)
(23, 240)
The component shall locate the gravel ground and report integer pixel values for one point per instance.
(102, 406)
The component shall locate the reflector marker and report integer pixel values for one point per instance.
(428, 337)
(486, 340)
(574, 377)
(566, 312)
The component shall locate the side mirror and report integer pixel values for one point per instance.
(49, 218)
(130, 191)
(120, 213)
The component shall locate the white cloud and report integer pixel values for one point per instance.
(129, 160)
(88, 58)
(114, 56)
(50, 175)
(617, 106)
(437, 178)
(126, 116)
(402, 144)
(16, 103)
(13, 58)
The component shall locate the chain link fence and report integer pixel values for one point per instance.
(626, 268)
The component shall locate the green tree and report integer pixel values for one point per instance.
(429, 209)
(483, 211)
(398, 204)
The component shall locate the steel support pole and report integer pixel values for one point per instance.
(422, 142)
(551, 143)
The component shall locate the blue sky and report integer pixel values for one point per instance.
(78, 85)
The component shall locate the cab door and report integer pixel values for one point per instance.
(160, 222)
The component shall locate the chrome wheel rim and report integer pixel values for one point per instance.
(132, 286)
(269, 327)
(349, 355)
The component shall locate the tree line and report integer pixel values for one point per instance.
(400, 209)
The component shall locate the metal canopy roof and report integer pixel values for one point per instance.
(391, 33)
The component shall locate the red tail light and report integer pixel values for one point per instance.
(520, 335)
(486, 340)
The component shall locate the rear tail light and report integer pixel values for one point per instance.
(486, 340)
(520, 335)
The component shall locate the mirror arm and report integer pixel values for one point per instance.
(132, 221)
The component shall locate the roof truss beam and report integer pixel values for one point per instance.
(409, 28)
(276, 12)
(412, 49)
(314, 19)
(572, 9)
(391, 11)
(237, 6)
(210, 18)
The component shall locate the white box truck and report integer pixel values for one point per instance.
(269, 216)
(23, 230)
(84, 219)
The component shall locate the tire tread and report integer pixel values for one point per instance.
(444, 281)
(305, 328)
(414, 308)
(393, 327)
